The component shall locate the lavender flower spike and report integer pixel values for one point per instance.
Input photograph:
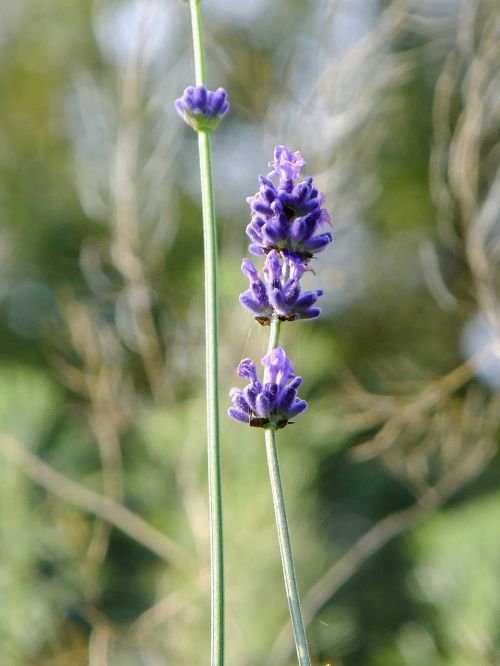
(202, 108)
(277, 293)
(273, 403)
(288, 217)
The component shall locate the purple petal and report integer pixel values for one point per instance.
(296, 267)
(251, 304)
(272, 233)
(278, 367)
(250, 394)
(256, 248)
(249, 270)
(269, 194)
(272, 268)
(292, 292)
(262, 207)
(297, 407)
(267, 183)
(260, 293)
(247, 369)
(279, 303)
(179, 107)
(286, 165)
(310, 313)
(253, 233)
(286, 398)
(317, 243)
(200, 96)
(262, 405)
(219, 98)
(298, 230)
(308, 298)
(238, 415)
(240, 402)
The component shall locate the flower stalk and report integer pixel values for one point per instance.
(285, 545)
(292, 590)
(212, 393)
(289, 226)
(203, 109)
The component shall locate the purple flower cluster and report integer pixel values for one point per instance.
(278, 292)
(202, 108)
(271, 403)
(289, 225)
(288, 216)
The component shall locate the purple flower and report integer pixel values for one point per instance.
(272, 403)
(288, 217)
(202, 108)
(286, 165)
(277, 293)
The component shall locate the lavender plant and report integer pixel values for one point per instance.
(290, 226)
(203, 110)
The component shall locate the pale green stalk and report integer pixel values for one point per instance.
(292, 591)
(212, 380)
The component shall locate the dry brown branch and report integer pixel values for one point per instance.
(396, 413)
(99, 645)
(157, 614)
(102, 384)
(458, 169)
(136, 299)
(103, 507)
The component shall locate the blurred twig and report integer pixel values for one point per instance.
(125, 249)
(99, 645)
(101, 383)
(393, 414)
(105, 508)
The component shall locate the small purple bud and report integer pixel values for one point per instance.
(202, 108)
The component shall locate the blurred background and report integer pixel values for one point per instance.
(391, 476)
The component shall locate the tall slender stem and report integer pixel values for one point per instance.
(198, 45)
(292, 590)
(212, 381)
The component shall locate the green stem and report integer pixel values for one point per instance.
(292, 590)
(198, 47)
(274, 335)
(212, 381)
